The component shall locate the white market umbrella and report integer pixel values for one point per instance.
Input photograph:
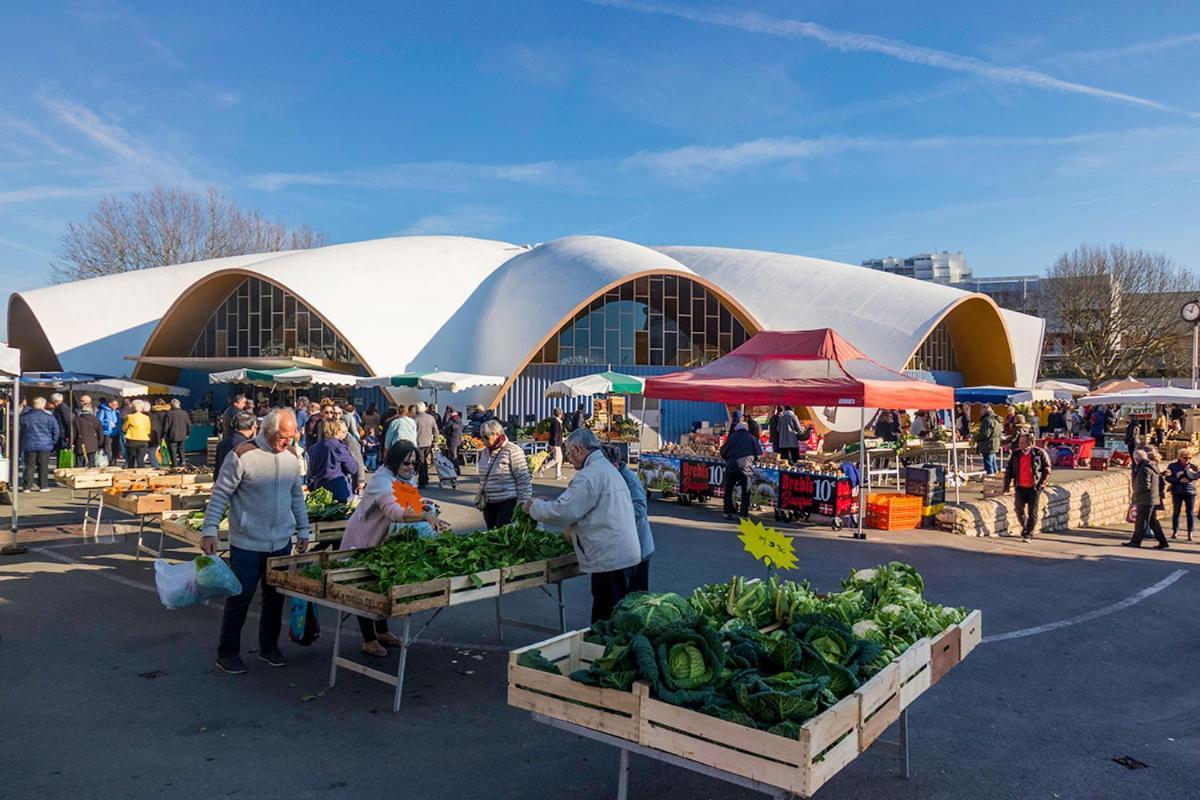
(438, 381)
(599, 383)
(10, 360)
(290, 376)
(120, 387)
(1072, 389)
(1130, 397)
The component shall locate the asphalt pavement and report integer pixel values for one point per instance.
(104, 693)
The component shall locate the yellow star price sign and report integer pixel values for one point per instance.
(767, 545)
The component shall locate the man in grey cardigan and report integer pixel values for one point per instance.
(260, 484)
(427, 431)
(597, 513)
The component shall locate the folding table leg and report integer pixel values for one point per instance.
(337, 647)
(406, 641)
(904, 771)
(623, 776)
(562, 611)
(499, 620)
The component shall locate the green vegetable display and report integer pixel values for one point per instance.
(765, 654)
(399, 560)
(322, 507)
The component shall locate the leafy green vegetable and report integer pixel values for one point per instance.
(535, 660)
(649, 613)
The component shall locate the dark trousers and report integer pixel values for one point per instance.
(178, 459)
(371, 628)
(40, 459)
(423, 467)
(112, 448)
(640, 582)
(1099, 437)
(84, 459)
(608, 588)
(735, 477)
(1026, 504)
(1147, 517)
(250, 566)
(452, 454)
(1183, 501)
(792, 454)
(496, 515)
(135, 453)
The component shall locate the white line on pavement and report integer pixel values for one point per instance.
(1100, 612)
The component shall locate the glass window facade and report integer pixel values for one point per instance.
(936, 353)
(259, 319)
(659, 320)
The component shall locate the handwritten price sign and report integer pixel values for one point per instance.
(767, 545)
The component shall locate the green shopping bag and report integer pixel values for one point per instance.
(66, 459)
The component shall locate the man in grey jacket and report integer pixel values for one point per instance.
(597, 514)
(260, 484)
(427, 430)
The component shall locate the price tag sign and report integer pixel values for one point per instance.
(767, 545)
(694, 477)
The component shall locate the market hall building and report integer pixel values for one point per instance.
(534, 314)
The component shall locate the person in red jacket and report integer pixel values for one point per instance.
(1029, 469)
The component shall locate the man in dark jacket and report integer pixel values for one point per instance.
(245, 426)
(89, 434)
(773, 428)
(578, 419)
(1147, 499)
(178, 427)
(239, 404)
(65, 417)
(40, 432)
(452, 429)
(739, 451)
(1029, 469)
(555, 443)
(988, 439)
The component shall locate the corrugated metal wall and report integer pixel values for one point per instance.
(526, 397)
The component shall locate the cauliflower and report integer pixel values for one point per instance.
(864, 575)
(864, 627)
(891, 608)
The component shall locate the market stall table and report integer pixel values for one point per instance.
(408, 600)
(1080, 447)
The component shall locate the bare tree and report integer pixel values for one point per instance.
(170, 225)
(1115, 311)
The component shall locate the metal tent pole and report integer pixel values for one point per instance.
(13, 449)
(862, 461)
(954, 449)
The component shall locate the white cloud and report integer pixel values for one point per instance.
(431, 175)
(868, 43)
(227, 99)
(461, 221)
(1156, 47)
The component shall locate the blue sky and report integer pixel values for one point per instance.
(1013, 131)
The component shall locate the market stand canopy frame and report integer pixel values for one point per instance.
(495, 307)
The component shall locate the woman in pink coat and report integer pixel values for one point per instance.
(369, 525)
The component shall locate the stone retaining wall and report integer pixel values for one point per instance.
(1088, 502)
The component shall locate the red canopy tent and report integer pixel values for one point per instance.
(805, 368)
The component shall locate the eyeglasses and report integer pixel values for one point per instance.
(409, 462)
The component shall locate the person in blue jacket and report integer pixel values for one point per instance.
(40, 434)
(110, 427)
(640, 582)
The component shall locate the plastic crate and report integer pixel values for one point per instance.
(890, 512)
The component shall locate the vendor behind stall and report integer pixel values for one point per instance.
(739, 451)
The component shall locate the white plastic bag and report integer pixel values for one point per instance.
(176, 584)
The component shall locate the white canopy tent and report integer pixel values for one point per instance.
(1154, 394)
(10, 367)
(1072, 389)
(120, 387)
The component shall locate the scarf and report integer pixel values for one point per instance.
(501, 440)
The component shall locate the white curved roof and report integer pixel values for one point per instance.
(388, 297)
(885, 316)
(93, 324)
(525, 300)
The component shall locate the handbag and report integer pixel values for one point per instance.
(1131, 514)
(481, 495)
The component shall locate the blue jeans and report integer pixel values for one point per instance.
(990, 464)
(371, 460)
(250, 566)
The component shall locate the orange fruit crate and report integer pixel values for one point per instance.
(893, 512)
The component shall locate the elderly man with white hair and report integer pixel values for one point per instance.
(40, 432)
(177, 428)
(261, 486)
(596, 512)
(427, 431)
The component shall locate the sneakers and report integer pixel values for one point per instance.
(274, 658)
(44, 490)
(231, 665)
(1026, 538)
(1129, 544)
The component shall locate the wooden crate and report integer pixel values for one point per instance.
(972, 633)
(345, 586)
(879, 704)
(827, 742)
(140, 503)
(915, 671)
(172, 524)
(284, 572)
(330, 530)
(88, 480)
(946, 650)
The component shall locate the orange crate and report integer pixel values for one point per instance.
(890, 512)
